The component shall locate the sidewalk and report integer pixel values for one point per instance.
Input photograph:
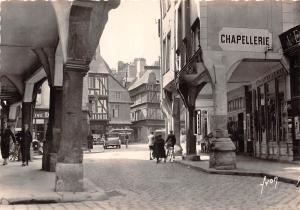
(248, 166)
(25, 185)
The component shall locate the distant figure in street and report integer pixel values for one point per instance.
(25, 145)
(90, 140)
(6, 134)
(170, 143)
(159, 148)
(151, 144)
(126, 140)
(204, 144)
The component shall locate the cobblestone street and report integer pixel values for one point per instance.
(134, 182)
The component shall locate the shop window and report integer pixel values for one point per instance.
(97, 85)
(184, 51)
(271, 110)
(118, 94)
(282, 109)
(168, 53)
(179, 29)
(196, 36)
(115, 111)
(164, 57)
(261, 112)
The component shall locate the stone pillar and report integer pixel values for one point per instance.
(191, 153)
(56, 126)
(53, 130)
(176, 123)
(69, 168)
(27, 114)
(223, 154)
(47, 143)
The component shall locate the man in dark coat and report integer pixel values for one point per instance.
(170, 142)
(159, 148)
(25, 145)
(6, 133)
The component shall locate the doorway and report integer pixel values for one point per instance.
(240, 133)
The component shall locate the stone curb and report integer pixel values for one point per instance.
(54, 198)
(92, 193)
(239, 173)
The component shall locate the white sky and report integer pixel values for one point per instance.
(131, 31)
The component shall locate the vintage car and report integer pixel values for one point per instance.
(123, 133)
(112, 140)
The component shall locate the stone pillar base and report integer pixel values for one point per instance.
(223, 155)
(191, 157)
(69, 177)
(53, 160)
(225, 160)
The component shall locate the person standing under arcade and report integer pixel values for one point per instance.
(6, 134)
(25, 145)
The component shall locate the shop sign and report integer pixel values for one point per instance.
(40, 121)
(41, 115)
(245, 39)
(290, 40)
(271, 76)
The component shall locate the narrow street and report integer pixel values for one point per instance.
(134, 182)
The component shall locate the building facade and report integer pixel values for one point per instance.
(98, 94)
(229, 54)
(146, 114)
(119, 105)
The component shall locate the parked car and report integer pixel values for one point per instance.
(112, 140)
(123, 133)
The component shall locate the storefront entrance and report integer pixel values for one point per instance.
(261, 122)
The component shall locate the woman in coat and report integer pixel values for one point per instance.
(159, 148)
(6, 134)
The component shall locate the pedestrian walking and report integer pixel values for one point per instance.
(151, 144)
(90, 140)
(126, 140)
(6, 135)
(171, 140)
(170, 143)
(25, 145)
(204, 144)
(159, 148)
